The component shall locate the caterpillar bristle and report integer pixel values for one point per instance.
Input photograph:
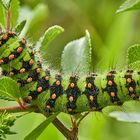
(70, 95)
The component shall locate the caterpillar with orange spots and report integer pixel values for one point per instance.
(57, 93)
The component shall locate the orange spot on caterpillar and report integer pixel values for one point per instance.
(19, 49)
(89, 85)
(29, 97)
(46, 78)
(53, 96)
(131, 89)
(5, 37)
(38, 70)
(18, 84)
(31, 62)
(39, 89)
(23, 41)
(11, 73)
(72, 85)
(115, 103)
(128, 74)
(112, 94)
(94, 108)
(10, 33)
(91, 97)
(129, 80)
(71, 98)
(29, 80)
(11, 57)
(109, 74)
(48, 107)
(69, 110)
(110, 83)
(1, 61)
(22, 70)
(58, 83)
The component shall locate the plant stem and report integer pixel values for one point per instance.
(64, 130)
(69, 134)
(18, 108)
(8, 20)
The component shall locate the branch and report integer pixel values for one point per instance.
(8, 20)
(69, 134)
(18, 108)
(64, 130)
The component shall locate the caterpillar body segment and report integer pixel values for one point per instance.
(69, 94)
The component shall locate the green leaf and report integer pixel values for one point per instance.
(9, 89)
(133, 54)
(14, 9)
(20, 26)
(2, 15)
(37, 131)
(6, 121)
(76, 56)
(6, 3)
(126, 117)
(129, 5)
(135, 65)
(49, 35)
(35, 20)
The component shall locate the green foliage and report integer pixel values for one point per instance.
(76, 56)
(35, 20)
(126, 117)
(49, 36)
(13, 5)
(37, 131)
(6, 3)
(9, 89)
(133, 59)
(135, 65)
(129, 5)
(2, 15)
(14, 9)
(20, 27)
(114, 40)
(6, 121)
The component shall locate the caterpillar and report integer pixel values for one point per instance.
(19, 61)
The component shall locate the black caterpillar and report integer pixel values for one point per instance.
(18, 61)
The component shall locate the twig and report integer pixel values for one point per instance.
(8, 20)
(74, 130)
(18, 108)
(22, 105)
(63, 129)
(69, 134)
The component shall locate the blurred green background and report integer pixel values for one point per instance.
(111, 35)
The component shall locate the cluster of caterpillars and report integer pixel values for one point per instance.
(33, 69)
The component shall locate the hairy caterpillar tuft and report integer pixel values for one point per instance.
(62, 93)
